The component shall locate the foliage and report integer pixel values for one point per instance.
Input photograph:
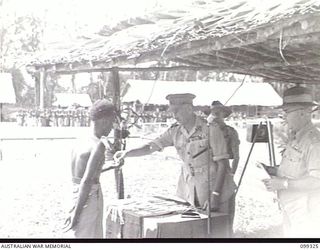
(19, 35)
(24, 93)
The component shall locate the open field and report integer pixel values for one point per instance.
(35, 187)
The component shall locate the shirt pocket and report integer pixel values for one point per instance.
(295, 160)
(198, 151)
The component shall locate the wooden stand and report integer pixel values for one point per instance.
(136, 222)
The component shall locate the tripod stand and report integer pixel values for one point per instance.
(261, 133)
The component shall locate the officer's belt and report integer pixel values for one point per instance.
(199, 169)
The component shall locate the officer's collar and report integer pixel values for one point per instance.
(196, 127)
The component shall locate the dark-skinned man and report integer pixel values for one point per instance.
(88, 158)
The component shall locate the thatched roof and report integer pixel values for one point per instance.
(277, 40)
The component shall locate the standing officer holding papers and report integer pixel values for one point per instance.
(297, 181)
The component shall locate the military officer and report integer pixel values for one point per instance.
(192, 136)
(297, 179)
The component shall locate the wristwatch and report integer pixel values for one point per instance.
(286, 183)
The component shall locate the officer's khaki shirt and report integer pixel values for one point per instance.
(191, 147)
(301, 159)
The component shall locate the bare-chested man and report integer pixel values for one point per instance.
(88, 157)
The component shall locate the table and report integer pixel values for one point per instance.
(157, 218)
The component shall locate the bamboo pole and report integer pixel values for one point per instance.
(117, 132)
(41, 87)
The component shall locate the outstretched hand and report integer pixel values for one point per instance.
(119, 155)
(114, 165)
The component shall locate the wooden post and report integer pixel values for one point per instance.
(0, 112)
(271, 144)
(117, 131)
(41, 87)
(209, 182)
(36, 82)
(73, 79)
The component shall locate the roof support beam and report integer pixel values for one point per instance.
(248, 69)
(135, 69)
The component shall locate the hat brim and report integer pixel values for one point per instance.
(305, 104)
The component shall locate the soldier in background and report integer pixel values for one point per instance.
(190, 138)
(218, 113)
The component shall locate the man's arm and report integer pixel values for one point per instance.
(220, 175)
(234, 165)
(307, 183)
(86, 182)
(218, 184)
(159, 143)
(135, 152)
(235, 143)
(221, 156)
(143, 150)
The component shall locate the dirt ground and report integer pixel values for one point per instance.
(35, 188)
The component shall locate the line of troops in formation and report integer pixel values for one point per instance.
(78, 117)
(54, 118)
(81, 117)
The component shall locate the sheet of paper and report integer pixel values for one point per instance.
(262, 173)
